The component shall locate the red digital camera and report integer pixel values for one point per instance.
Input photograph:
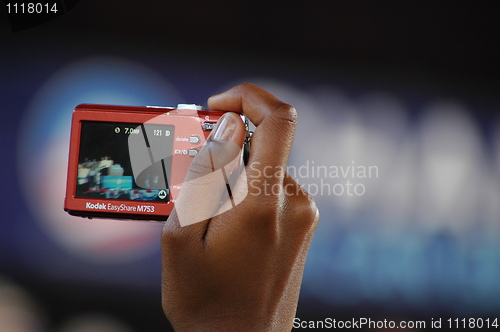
(128, 162)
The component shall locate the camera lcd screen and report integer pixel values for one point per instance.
(105, 167)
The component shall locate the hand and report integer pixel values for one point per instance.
(240, 270)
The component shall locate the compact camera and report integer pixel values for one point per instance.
(128, 162)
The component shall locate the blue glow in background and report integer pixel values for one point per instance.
(99, 80)
(391, 261)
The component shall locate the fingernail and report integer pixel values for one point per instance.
(225, 129)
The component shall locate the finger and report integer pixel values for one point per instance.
(275, 122)
(299, 217)
(206, 179)
(301, 208)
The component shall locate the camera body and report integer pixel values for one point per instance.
(128, 162)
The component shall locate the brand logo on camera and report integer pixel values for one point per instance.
(96, 206)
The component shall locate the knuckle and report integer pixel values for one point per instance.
(313, 213)
(246, 86)
(201, 164)
(174, 236)
(285, 112)
(306, 213)
(303, 209)
(172, 233)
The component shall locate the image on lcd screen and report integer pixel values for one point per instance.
(104, 163)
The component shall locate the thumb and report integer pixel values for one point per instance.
(207, 183)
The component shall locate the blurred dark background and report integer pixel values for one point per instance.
(409, 87)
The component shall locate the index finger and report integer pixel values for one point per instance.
(274, 119)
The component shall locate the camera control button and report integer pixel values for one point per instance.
(208, 125)
(192, 152)
(162, 194)
(192, 107)
(194, 139)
